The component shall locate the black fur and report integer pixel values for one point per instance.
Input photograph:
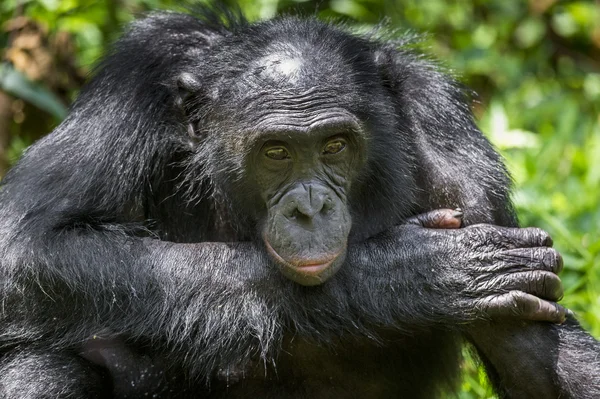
(131, 263)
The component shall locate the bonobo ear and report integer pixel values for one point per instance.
(187, 84)
(188, 88)
(387, 61)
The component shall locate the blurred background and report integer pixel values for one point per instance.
(534, 64)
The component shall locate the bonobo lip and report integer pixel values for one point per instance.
(307, 266)
(315, 267)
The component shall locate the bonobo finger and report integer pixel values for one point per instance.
(542, 284)
(514, 237)
(439, 219)
(543, 258)
(524, 306)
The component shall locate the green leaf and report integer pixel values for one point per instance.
(17, 84)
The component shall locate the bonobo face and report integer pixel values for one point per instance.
(304, 168)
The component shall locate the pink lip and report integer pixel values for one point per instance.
(314, 268)
(308, 266)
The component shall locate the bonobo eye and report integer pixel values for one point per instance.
(277, 153)
(334, 146)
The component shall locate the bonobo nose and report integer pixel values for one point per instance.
(306, 201)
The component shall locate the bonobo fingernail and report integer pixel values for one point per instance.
(458, 213)
(559, 263)
(568, 314)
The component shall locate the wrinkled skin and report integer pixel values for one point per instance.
(503, 255)
(493, 262)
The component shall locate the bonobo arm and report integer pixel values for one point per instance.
(539, 360)
(83, 282)
(217, 300)
(457, 167)
(526, 359)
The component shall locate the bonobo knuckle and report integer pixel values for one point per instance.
(483, 233)
(510, 303)
(486, 284)
(553, 260)
(546, 259)
(538, 237)
(481, 241)
(517, 303)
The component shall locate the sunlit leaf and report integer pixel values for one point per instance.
(17, 84)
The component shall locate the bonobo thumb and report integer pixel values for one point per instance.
(439, 219)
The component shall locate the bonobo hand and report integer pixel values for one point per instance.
(526, 269)
(479, 271)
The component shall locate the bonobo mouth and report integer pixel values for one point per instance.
(315, 268)
(308, 272)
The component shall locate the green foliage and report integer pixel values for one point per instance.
(15, 83)
(535, 65)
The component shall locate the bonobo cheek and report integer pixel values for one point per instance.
(308, 252)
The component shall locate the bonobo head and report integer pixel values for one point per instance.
(290, 129)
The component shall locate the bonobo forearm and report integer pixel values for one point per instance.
(211, 297)
(539, 360)
(412, 288)
(183, 266)
(130, 285)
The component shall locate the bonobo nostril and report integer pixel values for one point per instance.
(306, 201)
(327, 206)
(296, 214)
(311, 207)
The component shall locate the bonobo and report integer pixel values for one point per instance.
(243, 210)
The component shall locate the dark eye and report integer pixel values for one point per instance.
(334, 146)
(277, 153)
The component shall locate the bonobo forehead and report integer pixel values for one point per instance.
(288, 65)
(293, 89)
(291, 54)
(294, 65)
(295, 77)
(280, 68)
